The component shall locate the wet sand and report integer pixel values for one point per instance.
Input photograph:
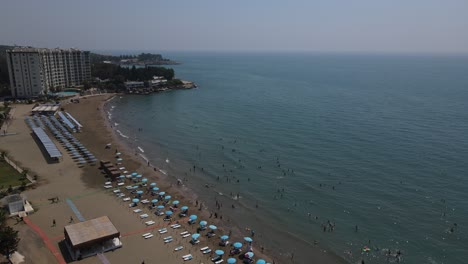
(84, 186)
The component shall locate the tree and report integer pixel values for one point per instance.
(8, 241)
(86, 85)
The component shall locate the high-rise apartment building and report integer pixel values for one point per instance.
(35, 71)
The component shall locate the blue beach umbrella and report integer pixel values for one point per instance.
(195, 236)
(139, 176)
(135, 187)
(160, 207)
(213, 227)
(122, 176)
(237, 245)
(175, 202)
(139, 192)
(248, 239)
(135, 200)
(134, 174)
(162, 193)
(168, 197)
(155, 189)
(249, 254)
(153, 184)
(119, 159)
(203, 223)
(219, 252)
(168, 212)
(231, 261)
(261, 261)
(224, 237)
(154, 201)
(193, 217)
(184, 208)
(144, 180)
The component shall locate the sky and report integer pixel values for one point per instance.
(389, 26)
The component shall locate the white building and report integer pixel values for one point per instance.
(132, 84)
(35, 71)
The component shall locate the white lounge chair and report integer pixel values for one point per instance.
(178, 248)
(204, 248)
(186, 235)
(149, 236)
(116, 191)
(167, 238)
(176, 226)
(120, 184)
(168, 241)
(219, 261)
(107, 186)
(129, 187)
(108, 183)
(126, 199)
(146, 234)
(187, 257)
(206, 251)
(145, 201)
(143, 216)
(137, 210)
(148, 223)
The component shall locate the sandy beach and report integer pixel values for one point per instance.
(84, 188)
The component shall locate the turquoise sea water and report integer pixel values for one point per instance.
(376, 141)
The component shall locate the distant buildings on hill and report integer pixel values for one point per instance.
(35, 71)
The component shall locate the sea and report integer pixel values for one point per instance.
(362, 155)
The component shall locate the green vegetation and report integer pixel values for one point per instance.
(8, 237)
(9, 176)
(147, 58)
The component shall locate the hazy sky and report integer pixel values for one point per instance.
(240, 25)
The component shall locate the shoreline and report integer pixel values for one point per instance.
(322, 254)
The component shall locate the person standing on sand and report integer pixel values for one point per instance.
(53, 222)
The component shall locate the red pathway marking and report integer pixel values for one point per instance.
(46, 240)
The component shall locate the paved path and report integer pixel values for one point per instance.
(75, 210)
(46, 240)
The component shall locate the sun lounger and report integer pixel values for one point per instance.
(129, 187)
(207, 251)
(187, 257)
(126, 199)
(143, 216)
(219, 261)
(125, 172)
(193, 242)
(162, 231)
(145, 201)
(150, 236)
(150, 223)
(107, 186)
(121, 195)
(120, 184)
(108, 183)
(176, 226)
(137, 210)
(168, 241)
(122, 168)
(147, 235)
(116, 191)
(178, 248)
(184, 233)
(167, 238)
(204, 248)
(159, 213)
